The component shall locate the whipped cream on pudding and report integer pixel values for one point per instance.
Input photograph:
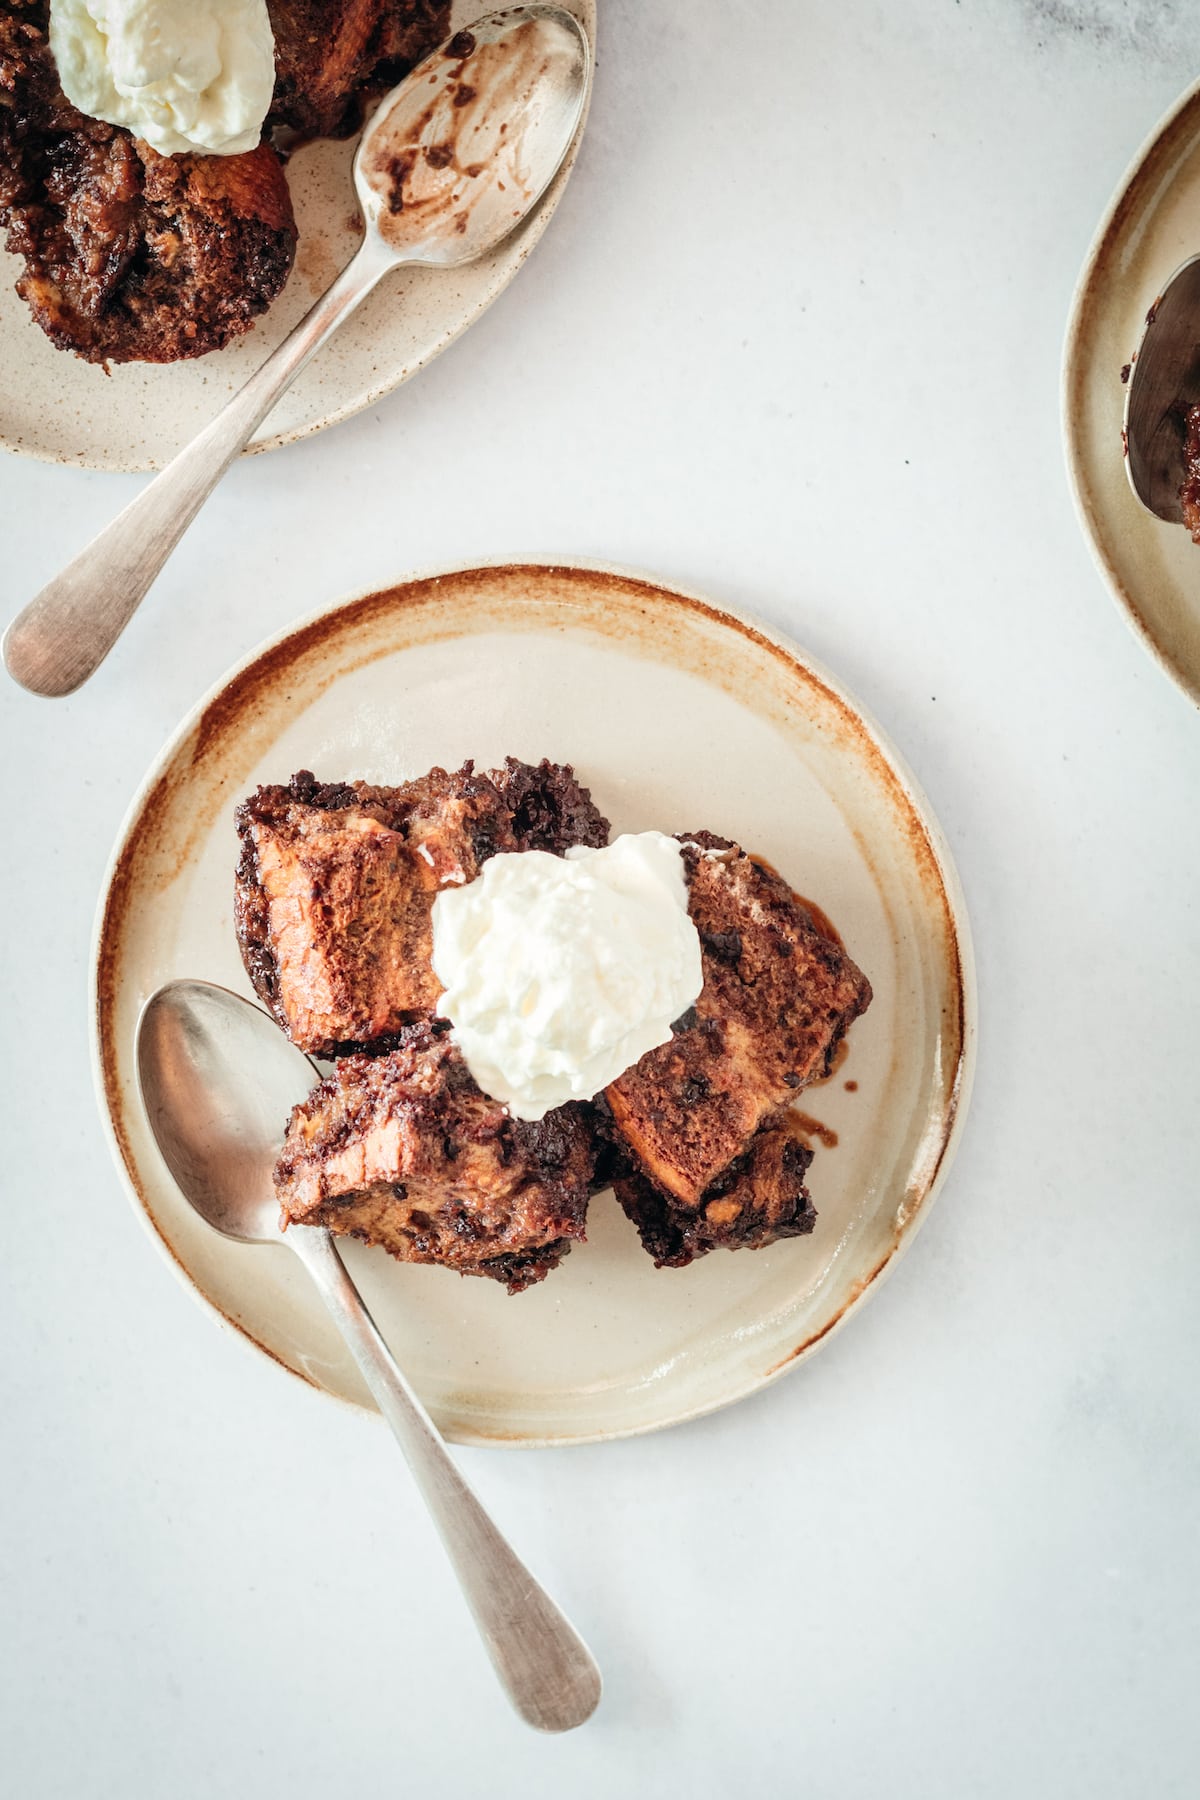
(184, 75)
(562, 972)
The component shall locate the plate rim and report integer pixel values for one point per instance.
(951, 1125)
(531, 233)
(1071, 377)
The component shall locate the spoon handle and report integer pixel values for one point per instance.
(544, 1665)
(64, 634)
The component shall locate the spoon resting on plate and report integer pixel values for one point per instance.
(450, 163)
(218, 1080)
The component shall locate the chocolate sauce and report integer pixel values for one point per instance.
(806, 1127)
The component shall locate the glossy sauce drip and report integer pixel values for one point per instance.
(805, 1128)
(821, 920)
(839, 1057)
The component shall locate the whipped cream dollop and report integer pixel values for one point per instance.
(561, 972)
(182, 74)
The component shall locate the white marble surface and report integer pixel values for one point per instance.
(793, 339)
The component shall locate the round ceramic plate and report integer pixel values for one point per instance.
(679, 716)
(136, 417)
(1151, 227)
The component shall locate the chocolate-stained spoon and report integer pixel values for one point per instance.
(450, 163)
(218, 1079)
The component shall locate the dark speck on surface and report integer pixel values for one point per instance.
(461, 45)
(1125, 371)
(439, 156)
(465, 94)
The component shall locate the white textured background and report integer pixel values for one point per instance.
(792, 339)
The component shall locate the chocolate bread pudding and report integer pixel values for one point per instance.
(131, 256)
(549, 808)
(336, 884)
(405, 1152)
(777, 999)
(469, 1140)
(331, 55)
(758, 1199)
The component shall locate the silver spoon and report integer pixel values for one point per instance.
(1163, 383)
(450, 163)
(218, 1080)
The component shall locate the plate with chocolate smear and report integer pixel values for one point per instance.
(1152, 568)
(631, 965)
(162, 281)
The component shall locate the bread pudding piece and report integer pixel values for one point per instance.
(330, 54)
(1189, 493)
(404, 1151)
(549, 808)
(777, 999)
(760, 1198)
(334, 892)
(336, 884)
(129, 255)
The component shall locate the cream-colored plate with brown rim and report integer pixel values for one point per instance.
(1151, 227)
(680, 715)
(63, 410)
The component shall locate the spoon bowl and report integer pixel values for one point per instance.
(1164, 382)
(218, 1080)
(461, 151)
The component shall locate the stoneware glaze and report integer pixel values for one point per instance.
(1153, 225)
(137, 416)
(680, 715)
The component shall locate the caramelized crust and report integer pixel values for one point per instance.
(760, 1198)
(405, 1152)
(777, 999)
(330, 54)
(129, 256)
(336, 884)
